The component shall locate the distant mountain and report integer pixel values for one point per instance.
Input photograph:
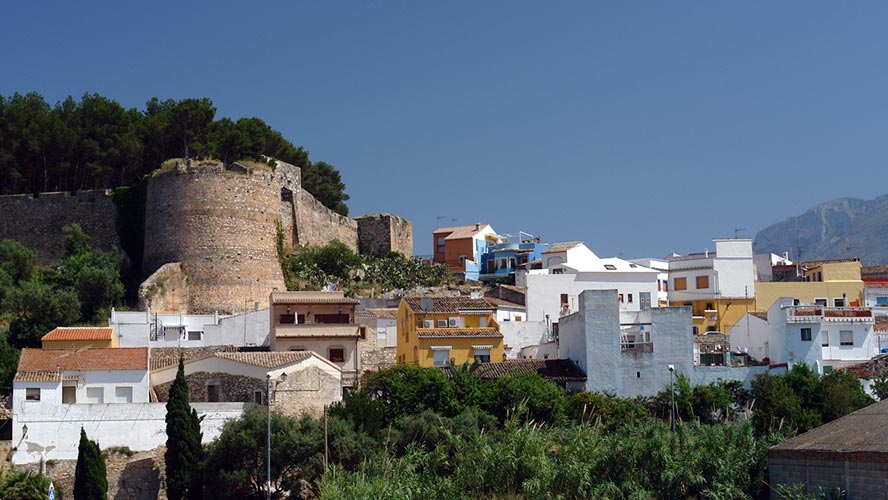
(845, 227)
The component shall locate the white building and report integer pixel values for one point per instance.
(726, 273)
(570, 268)
(876, 296)
(764, 263)
(147, 329)
(823, 337)
(104, 391)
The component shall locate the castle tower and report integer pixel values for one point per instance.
(220, 225)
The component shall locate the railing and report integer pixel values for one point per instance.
(837, 314)
(637, 347)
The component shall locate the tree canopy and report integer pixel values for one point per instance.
(90, 475)
(97, 143)
(184, 452)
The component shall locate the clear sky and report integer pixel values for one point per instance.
(641, 128)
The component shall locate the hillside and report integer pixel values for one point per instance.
(844, 227)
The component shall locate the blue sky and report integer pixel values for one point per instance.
(639, 127)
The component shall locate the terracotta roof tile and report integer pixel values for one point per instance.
(33, 376)
(562, 246)
(121, 358)
(80, 333)
(454, 333)
(556, 370)
(386, 313)
(448, 305)
(266, 359)
(459, 232)
(311, 298)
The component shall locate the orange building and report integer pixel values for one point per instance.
(77, 337)
(460, 248)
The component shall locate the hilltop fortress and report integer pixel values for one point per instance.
(210, 231)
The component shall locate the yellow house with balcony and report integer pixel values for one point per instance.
(832, 283)
(432, 331)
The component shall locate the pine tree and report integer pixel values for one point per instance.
(184, 452)
(90, 477)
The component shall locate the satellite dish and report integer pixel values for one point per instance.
(426, 304)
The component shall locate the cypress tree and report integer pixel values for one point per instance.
(184, 452)
(90, 476)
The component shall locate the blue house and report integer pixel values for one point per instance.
(503, 256)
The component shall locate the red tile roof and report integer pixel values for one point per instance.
(266, 359)
(457, 333)
(38, 377)
(311, 298)
(448, 305)
(51, 360)
(384, 313)
(556, 370)
(80, 333)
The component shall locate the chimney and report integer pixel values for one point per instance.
(477, 226)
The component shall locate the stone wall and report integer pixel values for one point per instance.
(37, 222)
(317, 225)
(165, 291)
(220, 225)
(859, 479)
(141, 476)
(234, 388)
(379, 234)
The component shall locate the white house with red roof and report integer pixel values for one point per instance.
(106, 391)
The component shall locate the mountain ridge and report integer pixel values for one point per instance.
(839, 228)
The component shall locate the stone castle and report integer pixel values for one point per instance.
(210, 241)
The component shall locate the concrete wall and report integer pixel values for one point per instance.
(54, 430)
(518, 335)
(807, 291)
(379, 234)
(37, 222)
(591, 338)
(134, 329)
(221, 226)
(703, 375)
(860, 480)
(544, 291)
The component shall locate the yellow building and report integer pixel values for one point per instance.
(432, 331)
(834, 283)
(80, 337)
(717, 314)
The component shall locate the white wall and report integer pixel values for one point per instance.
(505, 313)
(107, 381)
(543, 293)
(54, 429)
(243, 329)
(521, 334)
(752, 339)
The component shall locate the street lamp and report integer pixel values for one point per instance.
(672, 394)
(282, 378)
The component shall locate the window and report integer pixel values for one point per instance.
(563, 299)
(882, 301)
(123, 394)
(32, 394)
(712, 329)
(95, 395)
(258, 396)
(839, 302)
(381, 333)
(824, 338)
(462, 259)
(173, 332)
(665, 285)
(194, 335)
(439, 248)
(680, 284)
(629, 298)
(637, 374)
(327, 319)
(482, 353)
(820, 302)
(69, 394)
(610, 267)
(213, 392)
(287, 319)
(620, 298)
(659, 286)
(695, 330)
(337, 354)
(846, 337)
(441, 355)
(702, 282)
(806, 334)
(709, 306)
(363, 331)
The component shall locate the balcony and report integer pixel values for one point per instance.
(637, 347)
(808, 314)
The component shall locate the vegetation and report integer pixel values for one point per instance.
(312, 268)
(184, 452)
(90, 476)
(96, 143)
(24, 485)
(414, 432)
